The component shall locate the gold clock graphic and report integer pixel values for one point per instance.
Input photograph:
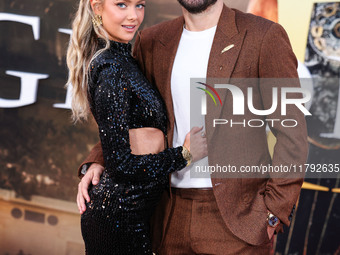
(322, 58)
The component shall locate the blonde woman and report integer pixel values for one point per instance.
(132, 122)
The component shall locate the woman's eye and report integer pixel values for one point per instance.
(121, 5)
(140, 6)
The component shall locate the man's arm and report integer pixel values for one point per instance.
(89, 171)
(277, 60)
(95, 156)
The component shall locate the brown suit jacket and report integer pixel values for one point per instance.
(261, 50)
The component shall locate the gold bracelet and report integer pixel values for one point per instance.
(187, 155)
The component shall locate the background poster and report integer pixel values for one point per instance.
(313, 27)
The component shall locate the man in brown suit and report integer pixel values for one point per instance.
(231, 217)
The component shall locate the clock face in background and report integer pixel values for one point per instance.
(323, 61)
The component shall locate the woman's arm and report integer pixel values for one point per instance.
(111, 105)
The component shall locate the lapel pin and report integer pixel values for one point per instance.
(227, 48)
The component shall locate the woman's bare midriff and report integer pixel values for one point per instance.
(146, 140)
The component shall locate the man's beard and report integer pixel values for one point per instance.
(196, 6)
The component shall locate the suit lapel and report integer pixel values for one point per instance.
(164, 55)
(226, 46)
(223, 57)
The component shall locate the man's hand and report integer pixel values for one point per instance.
(270, 231)
(92, 175)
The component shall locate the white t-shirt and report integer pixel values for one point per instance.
(191, 61)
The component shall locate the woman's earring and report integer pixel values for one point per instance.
(97, 20)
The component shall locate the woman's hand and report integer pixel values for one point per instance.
(196, 142)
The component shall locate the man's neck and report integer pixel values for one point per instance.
(205, 20)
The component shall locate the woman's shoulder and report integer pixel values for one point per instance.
(105, 60)
(106, 57)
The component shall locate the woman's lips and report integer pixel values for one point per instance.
(130, 28)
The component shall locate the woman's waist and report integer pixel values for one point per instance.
(147, 140)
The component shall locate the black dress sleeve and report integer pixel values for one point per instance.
(110, 105)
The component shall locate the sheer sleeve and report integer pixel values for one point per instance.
(110, 105)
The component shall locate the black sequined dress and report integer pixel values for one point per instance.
(116, 220)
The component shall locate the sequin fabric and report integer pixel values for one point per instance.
(116, 220)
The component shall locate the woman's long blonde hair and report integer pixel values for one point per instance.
(81, 51)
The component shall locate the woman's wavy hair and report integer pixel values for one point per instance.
(82, 49)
